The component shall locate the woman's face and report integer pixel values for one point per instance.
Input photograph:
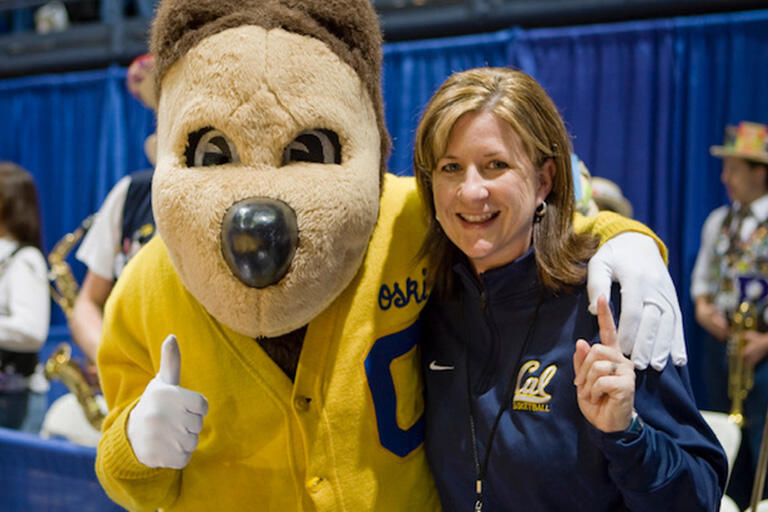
(486, 190)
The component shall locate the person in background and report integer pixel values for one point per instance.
(582, 188)
(607, 195)
(123, 224)
(594, 193)
(24, 295)
(731, 268)
(519, 415)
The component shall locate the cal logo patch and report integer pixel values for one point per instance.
(531, 389)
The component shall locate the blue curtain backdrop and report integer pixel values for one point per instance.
(643, 101)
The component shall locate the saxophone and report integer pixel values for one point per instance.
(63, 284)
(60, 366)
(740, 377)
(64, 290)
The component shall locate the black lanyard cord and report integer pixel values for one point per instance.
(481, 471)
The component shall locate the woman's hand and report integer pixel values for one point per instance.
(605, 379)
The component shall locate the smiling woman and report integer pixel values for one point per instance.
(509, 390)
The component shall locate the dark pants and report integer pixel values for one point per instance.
(13, 408)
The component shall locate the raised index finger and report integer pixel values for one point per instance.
(605, 321)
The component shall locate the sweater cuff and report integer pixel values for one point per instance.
(607, 225)
(116, 454)
(624, 450)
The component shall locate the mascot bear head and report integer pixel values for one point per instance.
(271, 148)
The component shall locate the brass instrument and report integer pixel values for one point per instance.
(740, 377)
(60, 366)
(63, 284)
(64, 290)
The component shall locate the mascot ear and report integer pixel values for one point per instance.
(357, 30)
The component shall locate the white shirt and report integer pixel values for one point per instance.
(100, 247)
(25, 301)
(701, 278)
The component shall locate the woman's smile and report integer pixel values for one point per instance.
(478, 219)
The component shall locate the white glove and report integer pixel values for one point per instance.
(164, 425)
(650, 324)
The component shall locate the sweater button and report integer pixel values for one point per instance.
(315, 483)
(301, 403)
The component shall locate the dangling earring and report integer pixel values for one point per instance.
(541, 210)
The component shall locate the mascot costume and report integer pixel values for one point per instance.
(285, 279)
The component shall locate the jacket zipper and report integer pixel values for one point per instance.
(490, 364)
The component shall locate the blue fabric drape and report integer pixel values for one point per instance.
(643, 101)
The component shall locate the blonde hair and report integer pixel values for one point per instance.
(519, 100)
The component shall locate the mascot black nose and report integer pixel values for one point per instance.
(259, 238)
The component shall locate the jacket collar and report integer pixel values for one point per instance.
(518, 278)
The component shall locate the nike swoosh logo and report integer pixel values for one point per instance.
(438, 367)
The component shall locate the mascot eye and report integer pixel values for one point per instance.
(209, 146)
(318, 146)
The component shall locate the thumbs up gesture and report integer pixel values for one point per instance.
(164, 425)
(605, 379)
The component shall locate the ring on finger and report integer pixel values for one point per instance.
(614, 367)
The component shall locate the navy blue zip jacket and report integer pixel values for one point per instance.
(546, 456)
